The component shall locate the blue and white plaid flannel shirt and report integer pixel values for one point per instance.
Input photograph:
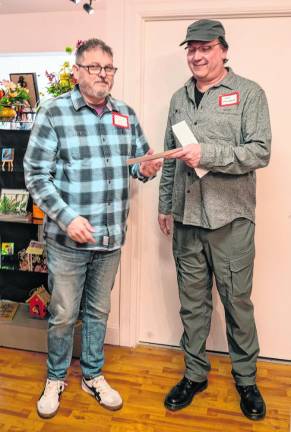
(75, 164)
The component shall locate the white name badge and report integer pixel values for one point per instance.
(105, 240)
(120, 120)
(229, 99)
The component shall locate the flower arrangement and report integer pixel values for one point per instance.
(63, 81)
(12, 95)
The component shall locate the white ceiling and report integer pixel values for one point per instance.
(35, 6)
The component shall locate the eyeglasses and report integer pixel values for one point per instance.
(202, 49)
(96, 69)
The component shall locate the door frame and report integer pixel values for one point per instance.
(135, 15)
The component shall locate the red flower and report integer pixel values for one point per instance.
(79, 43)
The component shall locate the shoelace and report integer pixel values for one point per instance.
(52, 386)
(101, 385)
(250, 388)
(185, 382)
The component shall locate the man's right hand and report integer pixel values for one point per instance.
(80, 230)
(166, 223)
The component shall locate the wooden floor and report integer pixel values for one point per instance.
(143, 376)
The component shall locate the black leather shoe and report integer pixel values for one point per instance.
(182, 394)
(251, 402)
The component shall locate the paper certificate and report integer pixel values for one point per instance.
(185, 137)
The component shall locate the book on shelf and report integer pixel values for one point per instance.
(33, 258)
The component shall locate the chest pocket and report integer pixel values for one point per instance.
(73, 146)
(225, 125)
(125, 139)
(180, 114)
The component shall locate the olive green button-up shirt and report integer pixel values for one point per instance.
(233, 127)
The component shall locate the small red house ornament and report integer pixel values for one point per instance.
(38, 303)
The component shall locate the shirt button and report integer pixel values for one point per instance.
(188, 191)
(195, 123)
(188, 173)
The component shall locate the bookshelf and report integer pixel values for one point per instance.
(22, 332)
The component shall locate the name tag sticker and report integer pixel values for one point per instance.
(105, 240)
(229, 99)
(120, 120)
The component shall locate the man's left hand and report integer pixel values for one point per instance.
(190, 154)
(150, 168)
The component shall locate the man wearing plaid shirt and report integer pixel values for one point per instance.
(76, 171)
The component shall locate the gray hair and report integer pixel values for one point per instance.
(225, 45)
(92, 44)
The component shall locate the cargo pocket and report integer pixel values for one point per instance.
(241, 270)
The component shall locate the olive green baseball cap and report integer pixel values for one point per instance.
(204, 30)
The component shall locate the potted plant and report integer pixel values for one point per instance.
(63, 81)
(12, 98)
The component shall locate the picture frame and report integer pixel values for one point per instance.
(13, 202)
(8, 260)
(7, 154)
(7, 158)
(7, 248)
(29, 81)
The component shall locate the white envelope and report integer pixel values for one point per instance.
(186, 136)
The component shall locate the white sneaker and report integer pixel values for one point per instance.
(103, 393)
(49, 402)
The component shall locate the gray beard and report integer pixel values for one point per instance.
(101, 94)
(97, 94)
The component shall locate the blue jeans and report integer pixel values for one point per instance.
(78, 278)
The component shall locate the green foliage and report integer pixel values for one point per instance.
(63, 81)
(13, 205)
(12, 94)
(57, 88)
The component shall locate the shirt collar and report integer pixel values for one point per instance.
(228, 81)
(79, 102)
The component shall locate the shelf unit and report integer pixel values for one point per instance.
(23, 332)
(17, 285)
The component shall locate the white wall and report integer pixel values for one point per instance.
(51, 31)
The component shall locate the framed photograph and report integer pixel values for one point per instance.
(7, 157)
(29, 81)
(7, 154)
(13, 201)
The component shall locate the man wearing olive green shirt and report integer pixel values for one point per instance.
(214, 216)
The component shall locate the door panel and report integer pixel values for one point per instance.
(257, 56)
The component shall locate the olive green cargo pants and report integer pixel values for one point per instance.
(228, 254)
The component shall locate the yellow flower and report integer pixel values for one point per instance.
(64, 76)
